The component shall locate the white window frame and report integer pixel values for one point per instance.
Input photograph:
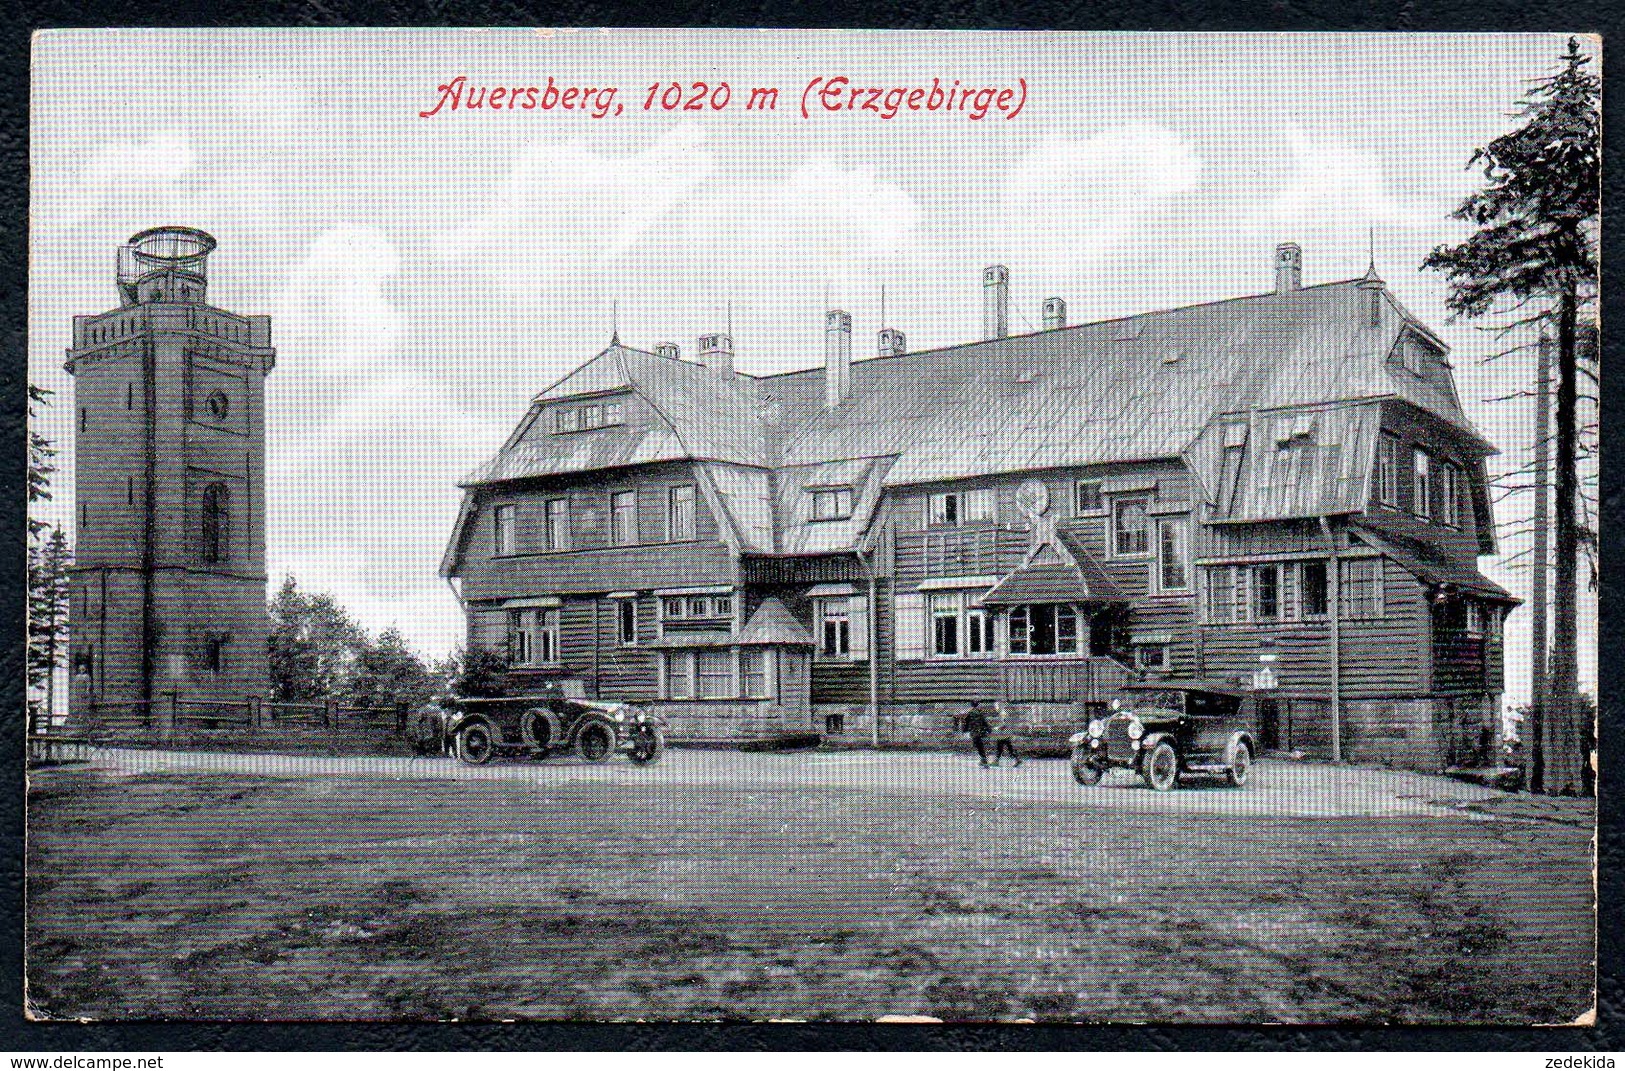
(533, 636)
(503, 530)
(1118, 505)
(1449, 493)
(681, 679)
(831, 503)
(1160, 566)
(1255, 592)
(617, 499)
(972, 506)
(685, 532)
(1162, 662)
(1421, 483)
(1023, 611)
(833, 616)
(1387, 475)
(556, 524)
(1346, 585)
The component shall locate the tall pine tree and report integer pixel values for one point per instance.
(48, 563)
(1535, 253)
(40, 452)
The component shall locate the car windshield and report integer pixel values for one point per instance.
(1168, 699)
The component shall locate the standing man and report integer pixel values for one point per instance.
(977, 725)
(1003, 736)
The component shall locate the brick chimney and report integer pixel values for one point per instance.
(669, 349)
(717, 354)
(1288, 267)
(1054, 313)
(893, 343)
(995, 301)
(837, 357)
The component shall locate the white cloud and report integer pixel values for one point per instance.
(1074, 202)
(565, 207)
(1332, 181)
(347, 324)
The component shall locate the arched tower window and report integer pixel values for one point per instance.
(216, 522)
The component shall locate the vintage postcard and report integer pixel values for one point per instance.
(672, 525)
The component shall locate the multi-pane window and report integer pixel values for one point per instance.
(626, 621)
(214, 654)
(623, 518)
(1312, 589)
(1086, 497)
(1361, 588)
(1131, 528)
(708, 611)
(951, 508)
(714, 674)
(1173, 555)
(1450, 494)
(958, 628)
(680, 513)
(586, 417)
(722, 673)
(834, 628)
(755, 673)
(502, 530)
(1388, 470)
(558, 524)
(1421, 483)
(533, 636)
(1044, 629)
(831, 503)
(1266, 593)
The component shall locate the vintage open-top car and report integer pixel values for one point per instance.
(1164, 729)
(478, 730)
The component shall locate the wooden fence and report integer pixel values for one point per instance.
(172, 714)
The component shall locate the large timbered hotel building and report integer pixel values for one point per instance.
(1281, 491)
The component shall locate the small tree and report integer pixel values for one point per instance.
(48, 595)
(389, 673)
(314, 647)
(479, 674)
(1535, 249)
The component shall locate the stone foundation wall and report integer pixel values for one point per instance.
(1040, 728)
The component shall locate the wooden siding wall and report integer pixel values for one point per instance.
(593, 565)
(1384, 657)
(1413, 430)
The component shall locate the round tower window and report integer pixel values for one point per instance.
(219, 405)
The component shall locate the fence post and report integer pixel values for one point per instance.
(255, 714)
(327, 713)
(400, 717)
(168, 717)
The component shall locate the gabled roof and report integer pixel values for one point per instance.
(1426, 560)
(1151, 387)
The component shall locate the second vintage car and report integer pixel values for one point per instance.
(1165, 729)
(478, 730)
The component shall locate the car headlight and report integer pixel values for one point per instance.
(620, 715)
(1135, 729)
(1097, 728)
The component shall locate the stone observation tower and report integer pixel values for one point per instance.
(169, 582)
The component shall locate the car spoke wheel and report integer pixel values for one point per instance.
(595, 742)
(1162, 767)
(475, 745)
(1084, 770)
(1241, 765)
(648, 744)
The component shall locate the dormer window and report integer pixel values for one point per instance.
(586, 417)
(953, 508)
(831, 503)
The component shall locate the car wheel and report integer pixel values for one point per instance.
(1084, 770)
(648, 744)
(1241, 765)
(475, 745)
(595, 742)
(1162, 767)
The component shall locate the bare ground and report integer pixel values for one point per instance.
(181, 894)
